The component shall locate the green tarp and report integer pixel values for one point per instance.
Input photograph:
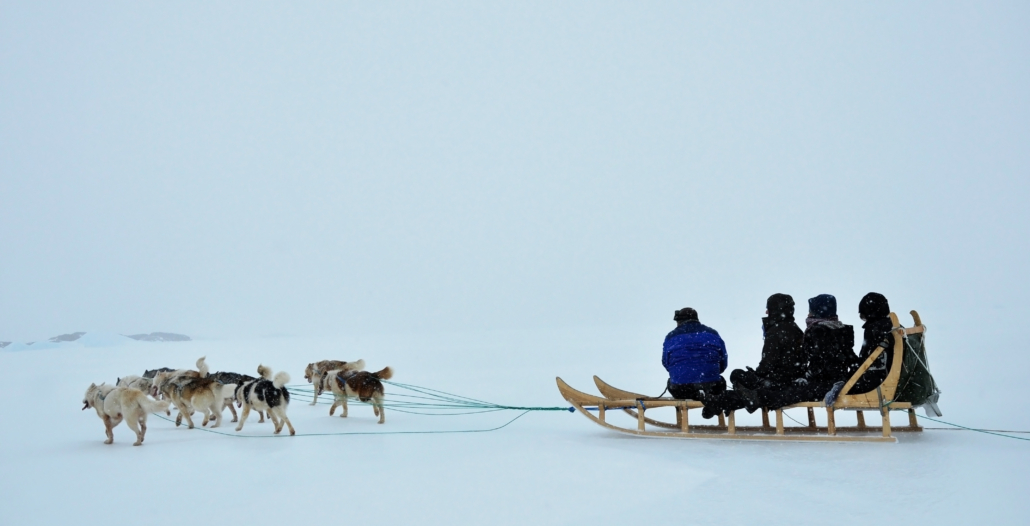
(916, 384)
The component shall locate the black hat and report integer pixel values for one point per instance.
(873, 305)
(780, 305)
(685, 314)
(822, 306)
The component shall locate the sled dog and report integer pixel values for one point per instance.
(316, 373)
(142, 383)
(231, 380)
(190, 390)
(267, 394)
(361, 384)
(116, 403)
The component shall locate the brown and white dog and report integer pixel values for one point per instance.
(364, 385)
(268, 394)
(113, 404)
(190, 390)
(317, 373)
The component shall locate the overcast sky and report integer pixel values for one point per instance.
(257, 169)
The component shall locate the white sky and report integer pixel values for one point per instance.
(259, 169)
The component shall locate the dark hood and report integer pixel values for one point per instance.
(781, 307)
(873, 305)
(822, 306)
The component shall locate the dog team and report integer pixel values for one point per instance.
(210, 393)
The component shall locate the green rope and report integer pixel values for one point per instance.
(162, 417)
(440, 401)
(973, 429)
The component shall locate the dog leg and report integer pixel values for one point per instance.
(287, 420)
(318, 391)
(232, 410)
(343, 404)
(143, 426)
(378, 404)
(262, 415)
(186, 414)
(216, 408)
(243, 417)
(107, 430)
(133, 424)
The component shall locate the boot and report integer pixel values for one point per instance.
(714, 404)
(750, 400)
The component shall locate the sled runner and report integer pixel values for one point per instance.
(881, 399)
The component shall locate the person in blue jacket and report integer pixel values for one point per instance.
(695, 357)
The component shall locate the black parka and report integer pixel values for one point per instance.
(829, 347)
(782, 360)
(876, 312)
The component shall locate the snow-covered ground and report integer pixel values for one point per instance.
(545, 468)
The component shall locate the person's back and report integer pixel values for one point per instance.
(695, 357)
(782, 360)
(829, 344)
(875, 310)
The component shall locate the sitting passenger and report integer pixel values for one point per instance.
(782, 361)
(828, 348)
(695, 357)
(874, 310)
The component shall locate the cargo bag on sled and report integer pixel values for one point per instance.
(916, 385)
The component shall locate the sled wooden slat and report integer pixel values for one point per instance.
(635, 405)
(613, 393)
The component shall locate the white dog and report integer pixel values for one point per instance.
(116, 403)
(143, 384)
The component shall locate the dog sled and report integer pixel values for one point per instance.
(882, 400)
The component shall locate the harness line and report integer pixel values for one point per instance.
(436, 401)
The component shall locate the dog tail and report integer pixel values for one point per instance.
(385, 374)
(265, 372)
(281, 379)
(202, 367)
(153, 406)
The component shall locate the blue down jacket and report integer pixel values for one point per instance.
(694, 353)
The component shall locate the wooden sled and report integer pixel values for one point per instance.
(880, 399)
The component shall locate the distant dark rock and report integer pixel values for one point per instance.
(67, 337)
(4, 344)
(160, 337)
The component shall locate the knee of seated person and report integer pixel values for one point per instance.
(738, 376)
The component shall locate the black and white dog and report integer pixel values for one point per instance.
(267, 394)
(234, 379)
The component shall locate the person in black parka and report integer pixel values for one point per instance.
(828, 349)
(782, 361)
(875, 311)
